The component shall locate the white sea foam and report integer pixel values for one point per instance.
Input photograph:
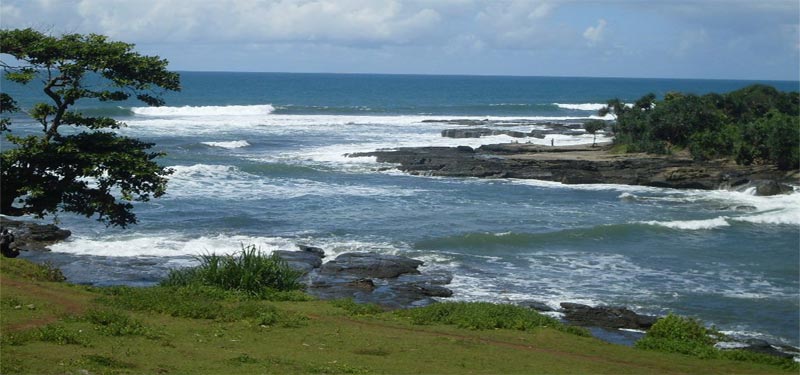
(166, 245)
(228, 144)
(581, 106)
(228, 182)
(730, 345)
(227, 110)
(717, 222)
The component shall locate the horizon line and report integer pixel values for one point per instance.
(492, 75)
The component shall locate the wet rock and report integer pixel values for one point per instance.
(579, 165)
(387, 280)
(370, 265)
(312, 259)
(312, 249)
(481, 132)
(366, 284)
(764, 347)
(33, 236)
(606, 316)
(769, 188)
(536, 305)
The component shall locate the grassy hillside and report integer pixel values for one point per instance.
(53, 327)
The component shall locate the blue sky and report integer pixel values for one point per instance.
(732, 39)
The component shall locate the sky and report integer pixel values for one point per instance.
(719, 39)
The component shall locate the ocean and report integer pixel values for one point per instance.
(261, 158)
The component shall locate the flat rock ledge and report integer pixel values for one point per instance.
(586, 165)
(33, 236)
(390, 281)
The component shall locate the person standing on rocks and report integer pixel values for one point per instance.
(6, 238)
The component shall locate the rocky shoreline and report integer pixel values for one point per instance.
(586, 165)
(396, 282)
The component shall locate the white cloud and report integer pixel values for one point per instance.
(594, 34)
(246, 21)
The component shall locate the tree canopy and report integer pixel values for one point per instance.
(90, 169)
(754, 125)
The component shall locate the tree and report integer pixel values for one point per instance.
(592, 126)
(78, 164)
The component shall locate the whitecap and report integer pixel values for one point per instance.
(166, 245)
(226, 110)
(581, 106)
(717, 222)
(228, 144)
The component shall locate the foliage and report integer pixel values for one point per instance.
(757, 124)
(592, 126)
(250, 272)
(86, 170)
(675, 334)
(484, 315)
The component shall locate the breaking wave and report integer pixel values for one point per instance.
(227, 110)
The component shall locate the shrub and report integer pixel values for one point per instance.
(250, 272)
(484, 315)
(675, 334)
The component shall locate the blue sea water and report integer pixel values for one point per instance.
(260, 158)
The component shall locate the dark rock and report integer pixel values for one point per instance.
(33, 236)
(481, 132)
(425, 289)
(312, 259)
(439, 277)
(535, 305)
(763, 347)
(576, 165)
(769, 188)
(371, 265)
(366, 284)
(302, 267)
(465, 149)
(387, 280)
(605, 316)
(311, 249)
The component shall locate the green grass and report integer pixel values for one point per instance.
(167, 330)
(484, 315)
(249, 271)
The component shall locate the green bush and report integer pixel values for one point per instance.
(484, 315)
(757, 124)
(250, 272)
(675, 334)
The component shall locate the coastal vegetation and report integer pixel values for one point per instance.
(754, 125)
(76, 164)
(54, 327)
(248, 272)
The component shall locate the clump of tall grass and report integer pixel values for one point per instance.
(249, 271)
(676, 334)
(484, 315)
